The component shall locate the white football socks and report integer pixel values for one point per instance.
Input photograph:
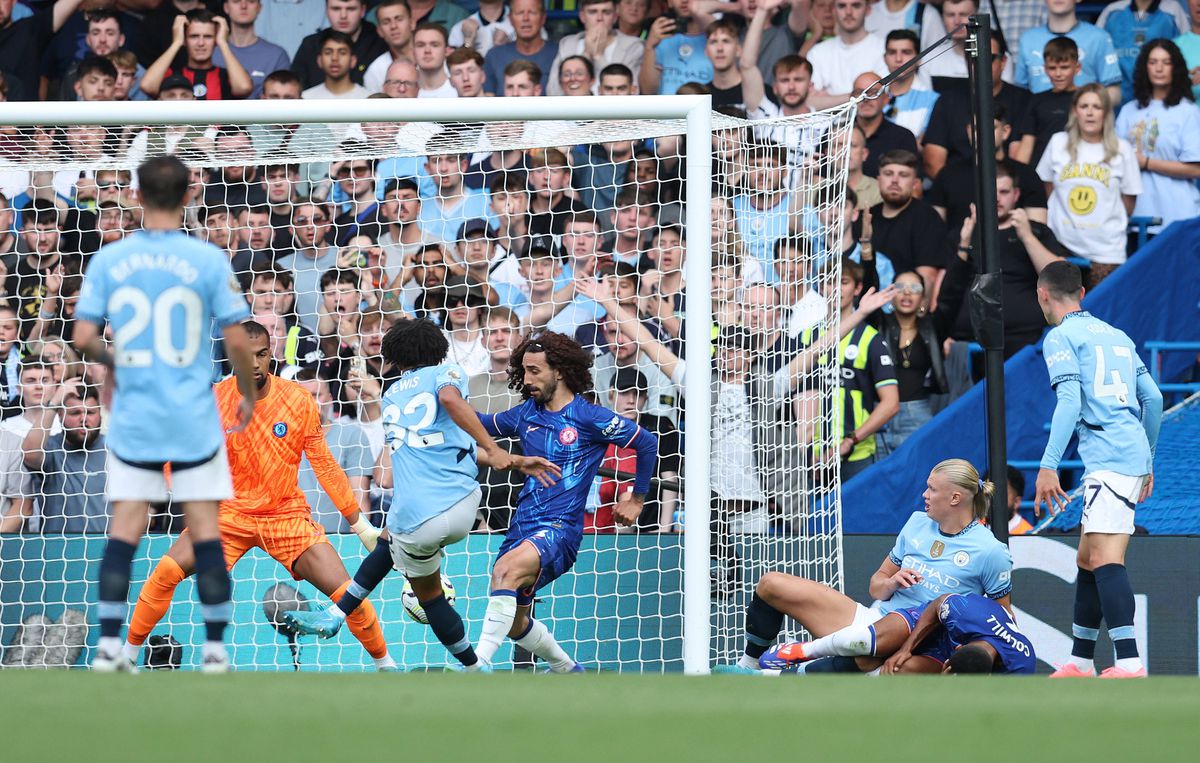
(539, 641)
(851, 641)
(746, 661)
(1084, 664)
(497, 621)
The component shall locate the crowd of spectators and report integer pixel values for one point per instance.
(1093, 124)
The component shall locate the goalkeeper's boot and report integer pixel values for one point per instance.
(782, 656)
(216, 661)
(118, 663)
(1115, 672)
(319, 623)
(1071, 670)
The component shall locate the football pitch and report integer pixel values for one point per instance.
(79, 716)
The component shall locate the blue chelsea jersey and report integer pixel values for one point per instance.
(972, 617)
(433, 460)
(971, 561)
(1105, 364)
(575, 439)
(161, 292)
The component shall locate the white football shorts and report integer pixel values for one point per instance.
(1110, 501)
(419, 553)
(209, 481)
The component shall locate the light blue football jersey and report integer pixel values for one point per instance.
(1112, 383)
(1097, 57)
(433, 460)
(971, 561)
(161, 292)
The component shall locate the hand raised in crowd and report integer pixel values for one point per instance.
(864, 238)
(177, 30)
(662, 28)
(470, 29)
(872, 300)
(1020, 221)
(222, 31)
(967, 235)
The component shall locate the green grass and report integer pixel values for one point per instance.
(80, 716)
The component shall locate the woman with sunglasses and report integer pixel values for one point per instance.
(915, 345)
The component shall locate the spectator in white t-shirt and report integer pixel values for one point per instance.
(336, 59)
(395, 26)
(837, 61)
(1095, 180)
(487, 27)
(430, 46)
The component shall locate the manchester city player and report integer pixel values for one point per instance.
(552, 372)
(431, 433)
(1106, 396)
(161, 291)
(941, 549)
(964, 633)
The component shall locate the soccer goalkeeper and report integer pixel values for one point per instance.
(269, 510)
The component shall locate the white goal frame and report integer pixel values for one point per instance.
(695, 109)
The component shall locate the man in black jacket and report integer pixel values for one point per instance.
(344, 16)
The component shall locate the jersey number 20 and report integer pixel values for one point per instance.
(398, 434)
(162, 311)
(1116, 384)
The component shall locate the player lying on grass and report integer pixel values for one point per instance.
(431, 433)
(963, 633)
(269, 510)
(941, 549)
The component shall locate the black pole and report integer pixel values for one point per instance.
(979, 48)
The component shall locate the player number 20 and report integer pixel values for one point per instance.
(162, 311)
(400, 434)
(1115, 385)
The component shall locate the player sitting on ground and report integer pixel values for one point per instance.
(163, 405)
(269, 510)
(429, 428)
(944, 547)
(963, 633)
(551, 371)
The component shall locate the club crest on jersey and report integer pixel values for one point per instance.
(568, 435)
(961, 559)
(936, 549)
(280, 429)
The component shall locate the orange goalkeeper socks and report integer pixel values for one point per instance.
(364, 625)
(154, 599)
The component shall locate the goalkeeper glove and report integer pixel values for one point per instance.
(367, 532)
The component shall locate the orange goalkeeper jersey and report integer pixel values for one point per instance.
(265, 458)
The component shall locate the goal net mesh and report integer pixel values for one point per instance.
(494, 230)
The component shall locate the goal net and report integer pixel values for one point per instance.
(695, 281)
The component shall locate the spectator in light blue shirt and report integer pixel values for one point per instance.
(911, 104)
(259, 56)
(1097, 56)
(1132, 24)
(443, 214)
(674, 52)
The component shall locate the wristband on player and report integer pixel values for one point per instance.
(366, 532)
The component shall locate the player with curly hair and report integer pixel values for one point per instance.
(551, 371)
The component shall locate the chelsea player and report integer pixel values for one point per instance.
(1106, 396)
(431, 433)
(941, 549)
(160, 290)
(964, 633)
(552, 373)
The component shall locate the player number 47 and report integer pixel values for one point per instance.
(1115, 385)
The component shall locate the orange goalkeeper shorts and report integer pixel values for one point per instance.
(285, 538)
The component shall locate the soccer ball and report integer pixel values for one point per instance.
(413, 608)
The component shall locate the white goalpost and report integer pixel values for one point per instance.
(750, 477)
